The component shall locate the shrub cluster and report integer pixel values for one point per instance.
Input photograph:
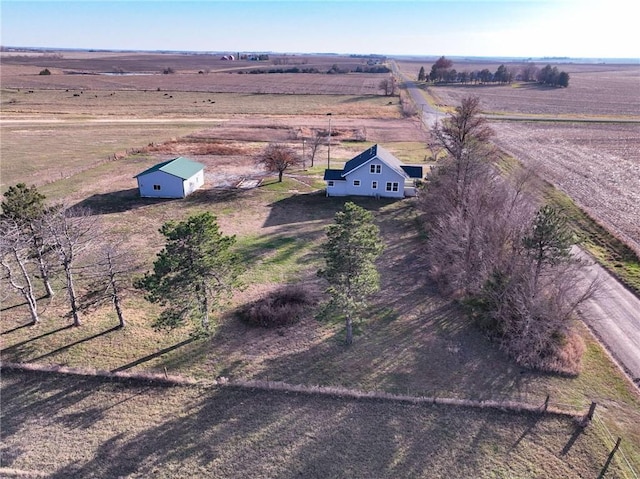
(280, 308)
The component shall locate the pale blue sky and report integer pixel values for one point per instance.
(572, 28)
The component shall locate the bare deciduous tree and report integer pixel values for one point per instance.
(71, 232)
(388, 86)
(529, 72)
(490, 246)
(316, 141)
(17, 262)
(278, 158)
(464, 136)
(110, 277)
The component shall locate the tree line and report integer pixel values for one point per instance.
(334, 69)
(442, 71)
(40, 243)
(504, 258)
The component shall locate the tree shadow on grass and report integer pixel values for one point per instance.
(157, 354)
(17, 328)
(316, 206)
(237, 433)
(25, 396)
(75, 343)
(11, 350)
(14, 306)
(117, 202)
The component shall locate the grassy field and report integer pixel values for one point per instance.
(412, 342)
(87, 427)
(409, 330)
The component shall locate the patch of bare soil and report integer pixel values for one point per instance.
(596, 165)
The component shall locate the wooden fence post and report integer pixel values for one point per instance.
(546, 404)
(610, 458)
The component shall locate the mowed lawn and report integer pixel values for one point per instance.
(73, 427)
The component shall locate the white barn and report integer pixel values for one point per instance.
(374, 172)
(175, 178)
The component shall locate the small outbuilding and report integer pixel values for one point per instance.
(374, 172)
(175, 178)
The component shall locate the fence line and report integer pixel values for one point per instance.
(504, 405)
(542, 407)
(620, 452)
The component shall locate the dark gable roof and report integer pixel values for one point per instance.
(412, 171)
(333, 175)
(360, 160)
(376, 151)
(373, 152)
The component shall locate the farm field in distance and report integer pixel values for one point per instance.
(84, 150)
(596, 164)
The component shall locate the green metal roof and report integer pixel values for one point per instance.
(180, 167)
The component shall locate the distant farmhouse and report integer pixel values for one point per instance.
(175, 178)
(374, 172)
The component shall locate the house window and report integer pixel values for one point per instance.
(356, 182)
(391, 186)
(156, 187)
(375, 169)
(330, 183)
(374, 185)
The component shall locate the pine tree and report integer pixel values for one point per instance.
(352, 247)
(24, 206)
(550, 239)
(193, 273)
(422, 76)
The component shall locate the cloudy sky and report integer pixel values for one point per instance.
(511, 28)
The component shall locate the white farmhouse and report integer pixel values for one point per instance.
(374, 172)
(175, 178)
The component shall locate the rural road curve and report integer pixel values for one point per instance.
(613, 313)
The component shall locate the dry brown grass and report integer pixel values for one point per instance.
(413, 342)
(91, 428)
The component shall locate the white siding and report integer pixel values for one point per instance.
(159, 184)
(339, 188)
(193, 183)
(366, 178)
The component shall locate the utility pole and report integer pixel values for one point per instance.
(329, 143)
(304, 162)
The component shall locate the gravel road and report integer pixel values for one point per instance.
(613, 313)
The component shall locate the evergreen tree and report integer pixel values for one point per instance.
(193, 273)
(550, 239)
(24, 206)
(422, 76)
(352, 247)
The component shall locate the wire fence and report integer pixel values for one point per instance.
(610, 441)
(537, 405)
